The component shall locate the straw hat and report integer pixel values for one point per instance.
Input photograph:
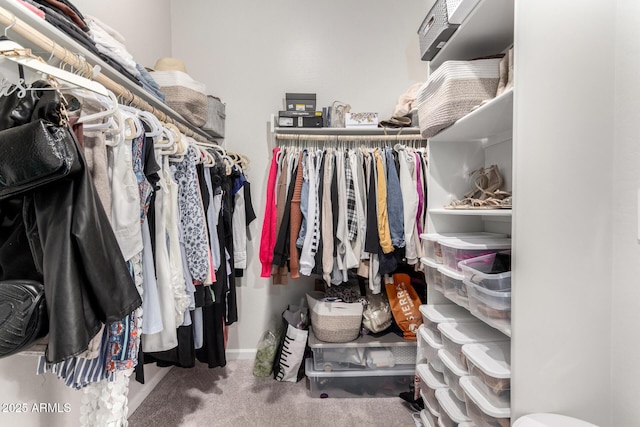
(169, 64)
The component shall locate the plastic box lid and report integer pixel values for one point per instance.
(312, 373)
(446, 313)
(435, 237)
(429, 262)
(387, 340)
(434, 380)
(449, 403)
(492, 358)
(446, 359)
(498, 407)
(477, 244)
(426, 421)
(468, 333)
(428, 335)
(450, 273)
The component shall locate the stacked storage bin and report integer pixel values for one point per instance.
(366, 367)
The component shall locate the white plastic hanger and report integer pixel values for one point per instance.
(16, 53)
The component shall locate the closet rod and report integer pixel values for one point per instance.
(348, 138)
(13, 23)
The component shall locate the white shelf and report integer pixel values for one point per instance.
(493, 122)
(472, 212)
(488, 30)
(348, 131)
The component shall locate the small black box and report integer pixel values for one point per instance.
(300, 101)
(299, 113)
(300, 122)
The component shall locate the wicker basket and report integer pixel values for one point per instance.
(335, 321)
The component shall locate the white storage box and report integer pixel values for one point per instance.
(432, 315)
(453, 412)
(388, 351)
(430, 381)
(491, 364)
(434, 31)
(491, 306)
(458, 10)
(456, 250)
(428, 419)
(431, 346)
(454, 288)
(431, 241)
(358, 383)
(478, 271)
(432, 275)
(455, 335)
(485, 410)
(452, 374)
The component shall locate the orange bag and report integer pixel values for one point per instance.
(405, 305)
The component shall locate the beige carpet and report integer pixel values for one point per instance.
(232, 396)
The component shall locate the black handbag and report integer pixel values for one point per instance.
(35, 154)
(23, 315)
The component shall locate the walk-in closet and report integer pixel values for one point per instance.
(419, 213)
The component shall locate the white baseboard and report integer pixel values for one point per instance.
(241, 353)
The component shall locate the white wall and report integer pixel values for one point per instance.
(250, 53)
(625, 369)
(563, 211)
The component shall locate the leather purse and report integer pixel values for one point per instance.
(23, 315)
(35, 154)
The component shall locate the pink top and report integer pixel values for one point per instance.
(268, 237)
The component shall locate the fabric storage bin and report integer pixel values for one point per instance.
(455, 335)
(458, 10)
(478, 271)
(431, 241)
(430, 381)
(491, 364)
(428, 418)
(358, 383)
(432, 275)
(492, 306)
(453, 412)
(432, 315)
(452, 374)
(454, 288)
(431, 347)
(216, 116)
(335, 322)
(485, 410)
(435, 30)
(456, 250)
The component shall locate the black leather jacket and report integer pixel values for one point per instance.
(61, 235)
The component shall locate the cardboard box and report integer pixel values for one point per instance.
(300, 101)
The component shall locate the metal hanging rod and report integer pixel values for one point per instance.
(348, 138)
(11, 22)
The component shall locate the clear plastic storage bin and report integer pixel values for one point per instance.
(428, 419)
(491, 364)
(430, 381)
(453, 412)
(478, 271)
(454, 288)
(432, 275)
(452, 374)
(431, 242)
(456, 250)
(455, 335)
(431, 346)
(491, 306)
(485, 410)
(432, 315)
(358, 383)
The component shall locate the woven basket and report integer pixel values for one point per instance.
(335, 321)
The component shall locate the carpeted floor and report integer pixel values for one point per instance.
(232, 396)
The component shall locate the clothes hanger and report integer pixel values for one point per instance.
(14, 52)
